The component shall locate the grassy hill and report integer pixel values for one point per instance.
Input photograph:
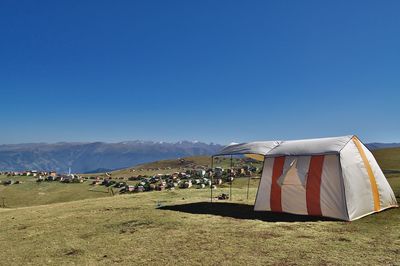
(31, 193)
(181, 227)
(388, 159)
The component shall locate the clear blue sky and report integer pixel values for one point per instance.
(214, 71)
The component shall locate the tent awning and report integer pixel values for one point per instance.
(310, 146)
(256, 147)
(287, 148)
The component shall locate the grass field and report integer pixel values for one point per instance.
(133, 229)
(389, 159)
(31, 193)
(181, 227)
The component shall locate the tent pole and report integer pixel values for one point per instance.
(211, 175)
(231, 177)
(248, 186)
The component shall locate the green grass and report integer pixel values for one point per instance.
(30, 193)
(388, 159)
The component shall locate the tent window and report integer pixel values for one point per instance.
(294, 175)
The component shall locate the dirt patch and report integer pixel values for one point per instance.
(306, 236)
(22, 227)
(289, 228)
(395, 251)
(135, 223)
(344, 229)
(72, 252)
(131, 226)
(267, 234)
(120, 209)
(87, 235)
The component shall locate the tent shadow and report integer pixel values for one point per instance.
(241, 211)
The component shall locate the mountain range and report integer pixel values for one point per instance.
(101, 157)
(95, 156)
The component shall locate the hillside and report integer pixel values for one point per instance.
(31, 193)
(388, 159)
(89, 157)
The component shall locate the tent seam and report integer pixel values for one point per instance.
(343, 187)
(259, 184)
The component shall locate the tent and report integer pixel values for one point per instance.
(332, 177)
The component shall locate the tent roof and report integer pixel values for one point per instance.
(257, 147)
(290, 147)
(310, 146)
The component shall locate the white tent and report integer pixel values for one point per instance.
(332, 177)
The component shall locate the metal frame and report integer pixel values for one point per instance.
(248, 187)
(230, 185)
(230, 180)
(212, 175)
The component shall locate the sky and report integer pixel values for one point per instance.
(212, 71)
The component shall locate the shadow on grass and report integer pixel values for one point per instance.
(241, 211)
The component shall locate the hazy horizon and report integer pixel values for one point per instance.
(167, 142)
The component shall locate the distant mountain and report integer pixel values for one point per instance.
(104, 157)
(96, 156)
(377, 145)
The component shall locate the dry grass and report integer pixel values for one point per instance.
(131, 229)
(388, 159)
(31, 193)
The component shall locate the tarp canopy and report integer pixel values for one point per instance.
(310, 146)
(256, 147)
(289, 147)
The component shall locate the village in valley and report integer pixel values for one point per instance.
(186, 174)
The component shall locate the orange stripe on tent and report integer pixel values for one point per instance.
(276, 199)
(313, 186)
(372, 180)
